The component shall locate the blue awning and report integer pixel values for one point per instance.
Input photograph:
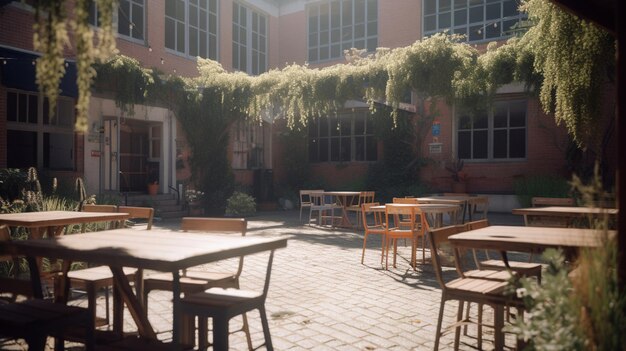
(17, 71)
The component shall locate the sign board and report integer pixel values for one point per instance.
(435, 148)
(436, 130)
(95, 153)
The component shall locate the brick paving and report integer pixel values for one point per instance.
(322, 298)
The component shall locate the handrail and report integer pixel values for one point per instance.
(177, 194)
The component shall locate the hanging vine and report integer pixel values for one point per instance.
(51, 39)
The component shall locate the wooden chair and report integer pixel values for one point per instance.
(196, 281)
(101, 208)
(145, 213)
(320, 203)
(93, 279)
(412, 228)
(486, 290)
(377, 227)
(405, 200)
(222, 304)
(305, 199)
(365, 197)
(34, 319)
(477, 207)
(11, 286)
(525, 269)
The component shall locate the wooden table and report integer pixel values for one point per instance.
(434, 212)
(159, 250)
(526, 239)
(344, 198)
(564, 212)
(53, 223)
(452, 200)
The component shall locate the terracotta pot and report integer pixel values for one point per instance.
(153, 188)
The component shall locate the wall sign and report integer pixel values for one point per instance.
(436, 130)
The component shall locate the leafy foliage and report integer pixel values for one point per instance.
(240, 204)
(540, 185)
(581, 310)
(575, 58)
(51, 37)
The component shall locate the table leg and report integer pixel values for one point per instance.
(176, 317)
(122, 285)
(35, 277)
(498, 325)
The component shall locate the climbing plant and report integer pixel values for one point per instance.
(51, 37)
(576, 59)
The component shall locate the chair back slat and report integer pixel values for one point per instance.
(405, 200)
(99, 208)
(552, 201)
(366, 209)
(437, 238)
(305, 196)
(481, 223)
(217, 225)
(146, 213)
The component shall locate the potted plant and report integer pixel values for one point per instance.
(193, 199)
(153, 187)
(459, 178)
(240, 204)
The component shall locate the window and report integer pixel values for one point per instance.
(338, 25)
(248, 146)
(131, 19)
(478, 20)
(499, 134)
(191, 27)
(93, 16)
(347, 137)
(249, 40)
(34, 139)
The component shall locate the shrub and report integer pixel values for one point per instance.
(545, 186)
(240, 204)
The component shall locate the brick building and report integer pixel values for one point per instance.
(121, 153)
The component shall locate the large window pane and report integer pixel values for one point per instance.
(480, 146)
(500, 144)
(26, 143)
(464, 147)
(518, 143)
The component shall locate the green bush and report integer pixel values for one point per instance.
(544, 186)
(240, 204)
(11, 183)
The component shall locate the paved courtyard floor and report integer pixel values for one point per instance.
(322, 298)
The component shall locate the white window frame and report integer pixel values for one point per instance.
(255, 57)
(328, 36)
(459, 13)
(133, 4)
(187, 27)
(40, 128)
(490, 128)
(316, 138)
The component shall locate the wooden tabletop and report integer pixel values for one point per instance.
(422, 207)
(160, 250)
(452, 199)
(565, 211)
(57, 218)
(528, 239)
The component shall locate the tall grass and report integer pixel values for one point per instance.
(577, 306)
